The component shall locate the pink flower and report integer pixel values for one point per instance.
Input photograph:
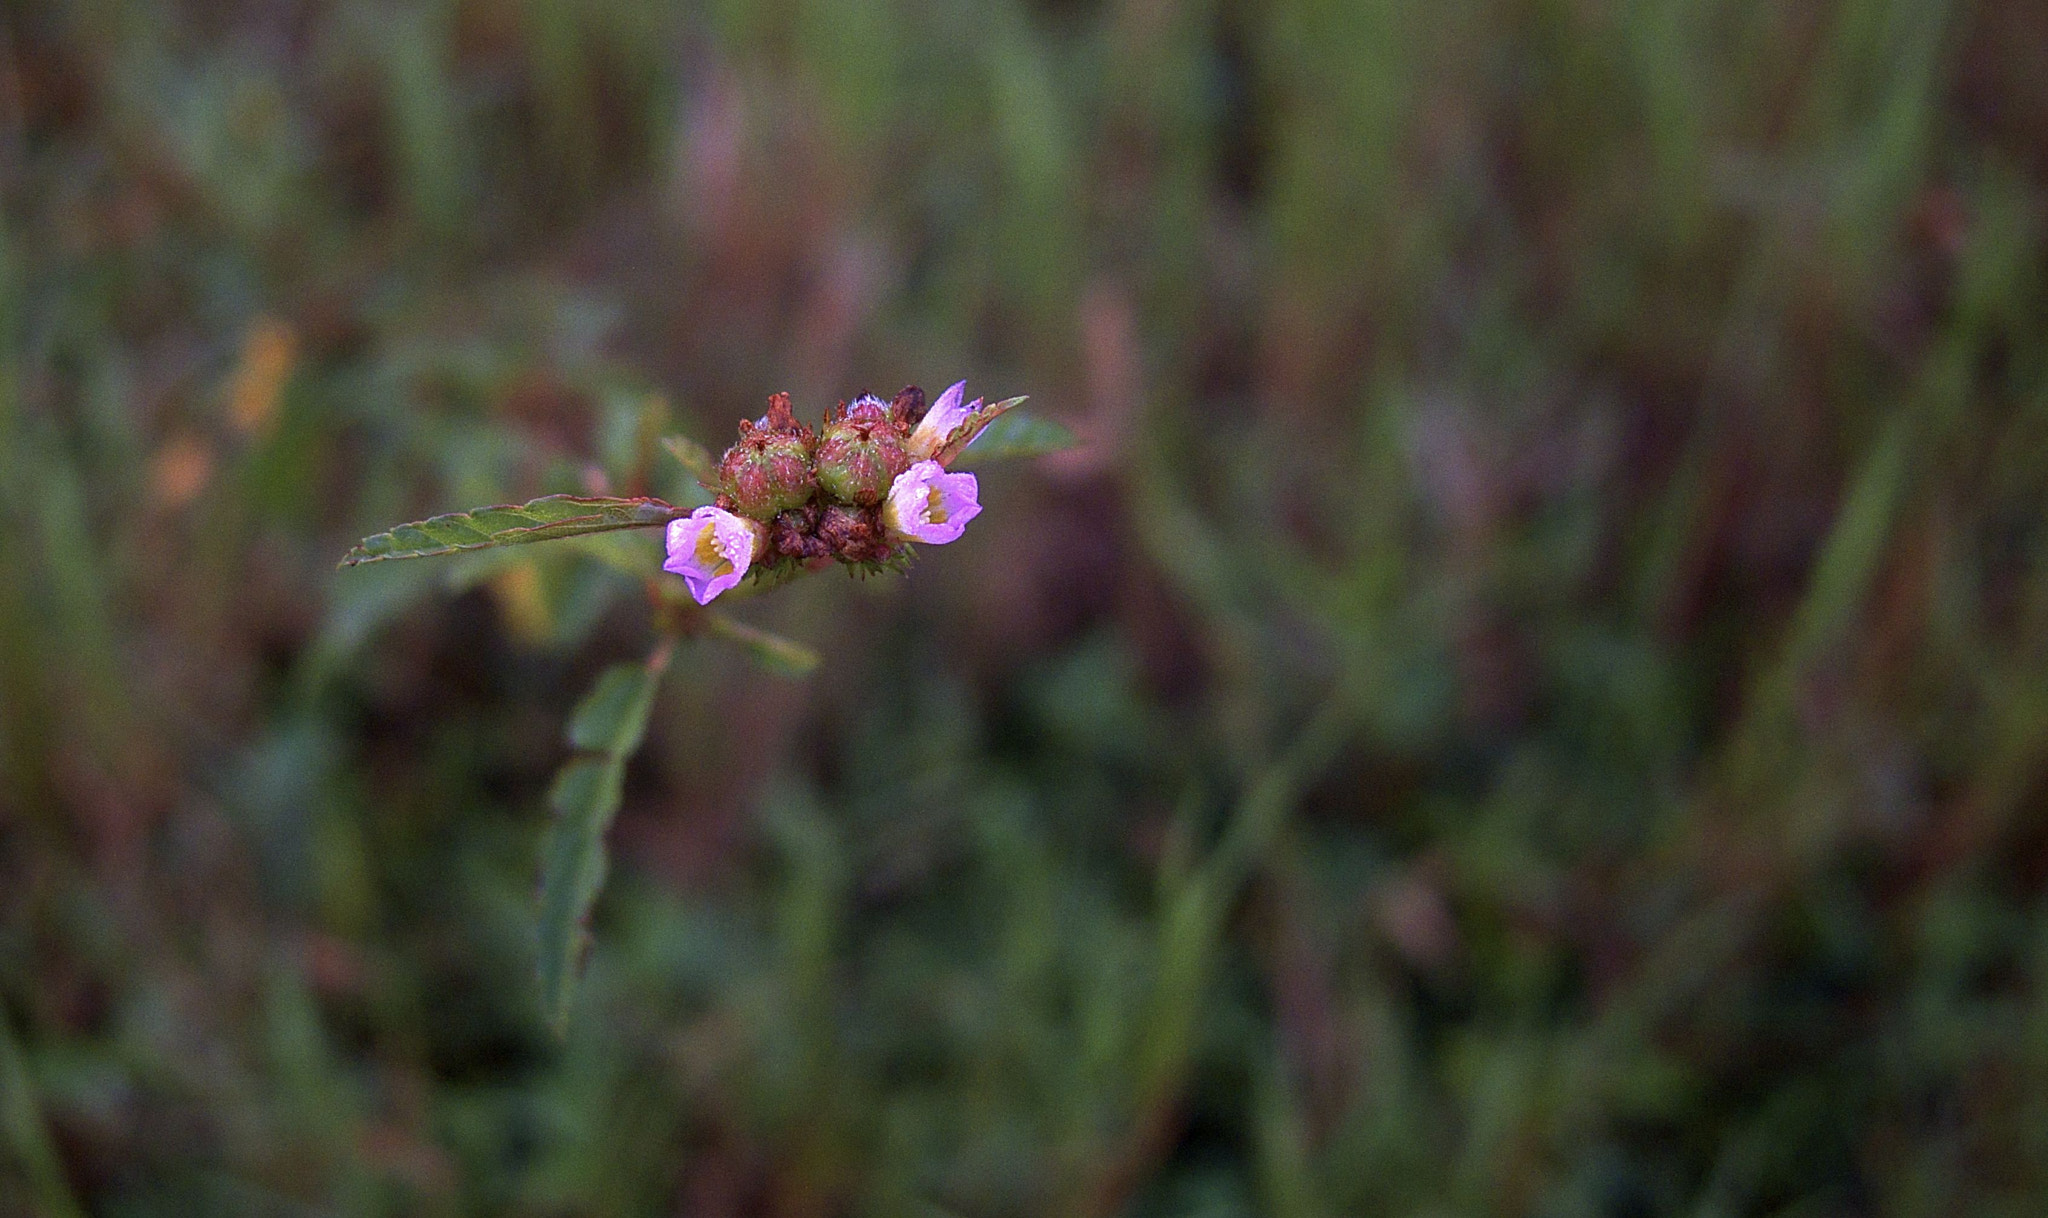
(940, 422)
(711, 549)
(928, 504)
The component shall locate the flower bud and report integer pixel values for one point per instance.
(795, 535)
(853, 534)
(769, 470)
(860, 453)
(908, 407)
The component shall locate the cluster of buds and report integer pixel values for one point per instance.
(859, 490)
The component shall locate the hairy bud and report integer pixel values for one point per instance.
(769, 470)
(861, 452)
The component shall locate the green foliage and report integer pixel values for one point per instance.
(605, 730)
(549, 518)
(700, 461)
(972, 426)
(1532, 704)
(1013, 435)
(30, 1159)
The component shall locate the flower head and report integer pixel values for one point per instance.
(711, 549)
(928, 504)
(940, 422)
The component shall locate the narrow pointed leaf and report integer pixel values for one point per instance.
(1017, 435)
(607, 727)
(772, 652)
(964, 434)
(543, 519)
(585, 798)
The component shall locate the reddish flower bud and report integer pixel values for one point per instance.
(854, 534)
(769, 470)
(861, 453)
(908, 408)
(795, 535)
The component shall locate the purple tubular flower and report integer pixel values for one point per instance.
(928, 504)
(940, 422)
(711, 549)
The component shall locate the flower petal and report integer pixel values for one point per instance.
(711, 549)
(928, 504)
(941, 421)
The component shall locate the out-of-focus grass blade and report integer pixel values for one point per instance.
(1015, 435)
(543, 519)
(692, 456)
(24, 1137)
(606, 728)
(782, 656)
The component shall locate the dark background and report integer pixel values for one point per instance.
(1529, 699)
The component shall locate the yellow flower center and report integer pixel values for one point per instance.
(709, 556)
(933, 512)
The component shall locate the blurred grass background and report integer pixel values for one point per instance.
(1530, 699)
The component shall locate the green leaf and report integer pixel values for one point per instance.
(607, 727)
(585, 798)
(964, 434)
(779, 655)
(613, 716)
(1017, 435)
(543, 519)
(694, 457)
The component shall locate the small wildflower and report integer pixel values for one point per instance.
(930, 505)
(940, 422)
(711, 549)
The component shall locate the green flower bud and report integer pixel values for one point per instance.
(861, 452)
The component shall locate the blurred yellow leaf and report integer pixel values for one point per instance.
(269, 351)
(518, 592)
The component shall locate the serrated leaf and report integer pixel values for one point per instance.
(543, 519)
(1016, 435)
(694, 457)
(607, 727)
(964, 434)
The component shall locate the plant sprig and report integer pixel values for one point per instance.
(610, 722)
